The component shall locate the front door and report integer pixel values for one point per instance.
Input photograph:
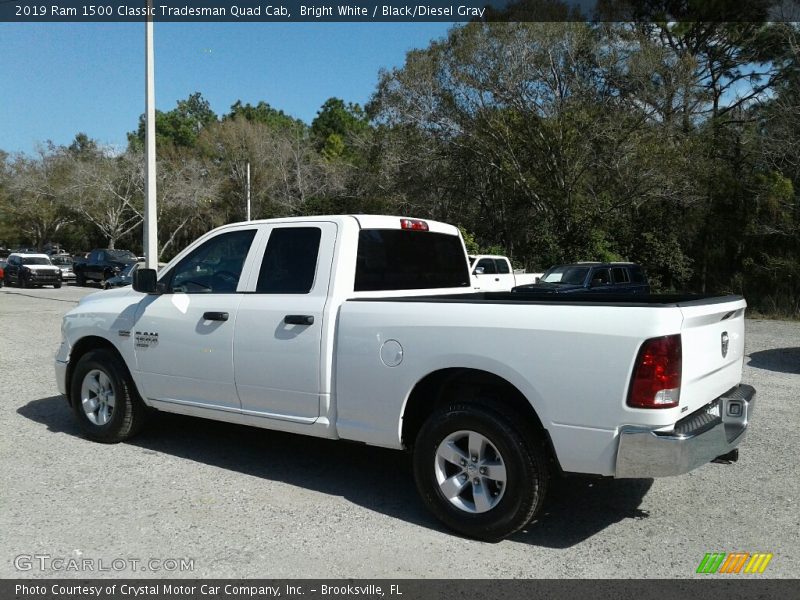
(183, 337)
(279, 330)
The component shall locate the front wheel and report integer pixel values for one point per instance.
(481, 475)
(104, 398)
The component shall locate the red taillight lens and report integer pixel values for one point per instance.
(413, 224)
(656, 379)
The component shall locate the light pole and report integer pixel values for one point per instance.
(150, 210)
(248, 190)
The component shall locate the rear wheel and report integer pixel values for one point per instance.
(57, 285)
(104, 398)
(80, 280)
(478, 472)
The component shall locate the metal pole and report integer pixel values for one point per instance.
(248, 190)
(150, 210)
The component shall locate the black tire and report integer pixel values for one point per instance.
(80, 280)
(56, 285)
(21, 281)
(129, 412)
(523, 454)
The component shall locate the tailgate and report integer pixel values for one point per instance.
(712, 336)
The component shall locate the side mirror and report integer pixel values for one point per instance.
(478, 271)
(145, 280)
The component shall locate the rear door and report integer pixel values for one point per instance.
(505, 277)
(712, 340)
(278, 350)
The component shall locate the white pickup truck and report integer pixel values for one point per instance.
(366, 328)
(494, 273)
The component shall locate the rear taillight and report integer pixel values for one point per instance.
(413, 224)
(656, 381)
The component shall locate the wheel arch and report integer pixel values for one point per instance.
(81, 347)
(474, 385)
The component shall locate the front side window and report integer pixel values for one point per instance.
(213, 267)
(290, 261)
(601, 277)
(487, 264)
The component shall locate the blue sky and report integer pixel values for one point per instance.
(58, 79)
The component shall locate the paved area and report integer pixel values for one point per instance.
(244, 502)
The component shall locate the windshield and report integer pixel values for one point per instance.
(61, 260)
(35, 260)
(121, 255)
(565, 275)
(128, 271)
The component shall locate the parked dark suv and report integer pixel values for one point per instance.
(614, 278)
(29, 270)
(102, 264)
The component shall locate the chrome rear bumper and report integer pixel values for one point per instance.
(712, 431)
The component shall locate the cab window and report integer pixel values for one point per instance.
(620, 275)
(290, 261)
(502, 266)
(213, 267)
(488, 266)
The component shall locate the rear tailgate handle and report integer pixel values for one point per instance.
(299, 319)
(215, 316)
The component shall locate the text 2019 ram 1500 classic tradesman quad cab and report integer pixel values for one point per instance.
(366, 328)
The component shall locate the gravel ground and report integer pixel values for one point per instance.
(245, 502)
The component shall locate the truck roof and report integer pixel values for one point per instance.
(363, 221)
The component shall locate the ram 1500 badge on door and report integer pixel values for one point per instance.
(366, 328)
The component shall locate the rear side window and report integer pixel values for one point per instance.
(637, 276)
(396, 259)
(290, 261)
(619, 274)
(502, 266)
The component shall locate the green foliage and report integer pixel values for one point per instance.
(179, 127)
(336, 126)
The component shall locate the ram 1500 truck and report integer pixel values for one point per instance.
(366, 328)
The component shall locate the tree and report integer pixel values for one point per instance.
(179, 127)
(37, 189)
(336, 126)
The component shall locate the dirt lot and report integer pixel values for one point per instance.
(243, 502)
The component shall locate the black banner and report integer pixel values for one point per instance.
(730, 588)
(283, 11)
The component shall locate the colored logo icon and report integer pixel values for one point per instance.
(736, 562)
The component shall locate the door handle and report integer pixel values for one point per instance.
(298, 319)
(215, 316)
